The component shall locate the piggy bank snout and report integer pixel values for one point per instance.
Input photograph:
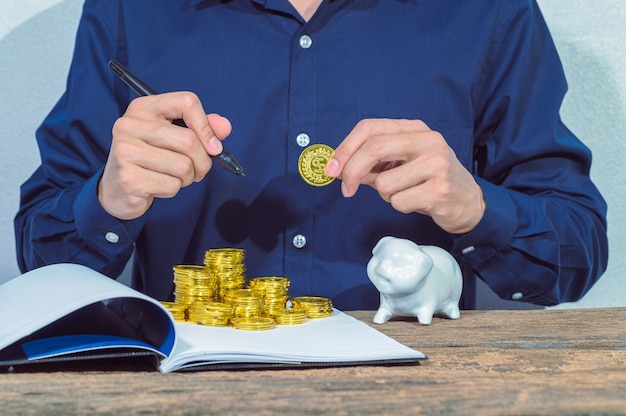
(379, 274)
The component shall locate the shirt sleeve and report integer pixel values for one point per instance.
(543, 236)
(60, 218)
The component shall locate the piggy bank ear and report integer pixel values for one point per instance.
(424, 262)
(380, 243)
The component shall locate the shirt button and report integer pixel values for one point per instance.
(299, 241)
(303, 140)
(305, 41)
(112, 237)
(468, 250)
(517, 296)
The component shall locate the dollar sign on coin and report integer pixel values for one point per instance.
(312, 163)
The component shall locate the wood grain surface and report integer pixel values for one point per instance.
(552, 362)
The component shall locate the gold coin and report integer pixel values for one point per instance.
(253, 323)
(290, 317)
(312, 163)
(313, 306)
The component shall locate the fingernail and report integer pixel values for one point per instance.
(215, 146)
(332, 168)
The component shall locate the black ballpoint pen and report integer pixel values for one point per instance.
(225, 159)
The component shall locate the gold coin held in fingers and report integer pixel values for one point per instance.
(312, 163)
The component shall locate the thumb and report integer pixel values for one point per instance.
(220, 125)
(221, 129)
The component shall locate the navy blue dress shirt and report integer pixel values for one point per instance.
(484, 73)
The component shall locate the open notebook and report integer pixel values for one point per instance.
(67, 313)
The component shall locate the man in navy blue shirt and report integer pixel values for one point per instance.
(447, 110)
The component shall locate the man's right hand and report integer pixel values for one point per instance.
(152, 158)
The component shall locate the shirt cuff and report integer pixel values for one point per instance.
(482, 248)
(494, 231)
(108, 235)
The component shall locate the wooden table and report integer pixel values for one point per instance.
(487, 363)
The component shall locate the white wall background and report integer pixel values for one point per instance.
(36, 41)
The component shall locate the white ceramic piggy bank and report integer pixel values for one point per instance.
(414, 280)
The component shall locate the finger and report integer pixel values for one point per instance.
(420, 197)
(180, 153)
(147, 184)
(424, 156)
(176, 165)
(352, 142)
(221, 125)
(210, 129)
(363, 131)
(376, 155)
(128, 186)
(180, 105)
(371, 143)
(395, 177)
(185, 106)
(170, 148)
(221, 128)
(162, 155)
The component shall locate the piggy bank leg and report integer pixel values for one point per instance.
(385, 311)
(382, 315)
(452, 310)
(425, 315)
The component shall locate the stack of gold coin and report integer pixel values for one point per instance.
(245, 303)
(275, 292)
(228, 264)
(178, 311)
(194, 283)
(260, 323)
(216, 294)
(290, 316)
(210, 313)
(313, 306)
